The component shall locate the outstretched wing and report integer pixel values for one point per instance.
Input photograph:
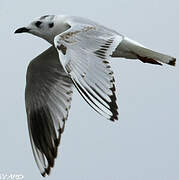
(48, 97)
(84, 51)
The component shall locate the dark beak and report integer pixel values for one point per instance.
(22, 30)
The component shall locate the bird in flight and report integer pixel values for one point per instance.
(79, 56)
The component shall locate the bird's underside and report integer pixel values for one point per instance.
(132, 50)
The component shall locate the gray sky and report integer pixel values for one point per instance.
(144, 143)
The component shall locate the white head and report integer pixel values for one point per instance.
(46, 27)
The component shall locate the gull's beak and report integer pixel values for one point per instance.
(22, 30)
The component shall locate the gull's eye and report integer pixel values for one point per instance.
(38, 23)
(51, 25)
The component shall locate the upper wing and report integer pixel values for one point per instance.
(84, 51)
(48, 97)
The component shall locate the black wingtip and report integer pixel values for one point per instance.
(172, 62)
(43, 174)
(44, 137)
(47, 170)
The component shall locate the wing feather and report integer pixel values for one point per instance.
(48, 98)
(84, 51)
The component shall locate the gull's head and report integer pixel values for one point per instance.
(46, 27)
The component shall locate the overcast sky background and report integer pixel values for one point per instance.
(144, 143)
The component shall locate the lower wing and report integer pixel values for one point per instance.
(48, 97)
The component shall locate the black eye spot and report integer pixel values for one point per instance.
(38, 23)
(51, 25)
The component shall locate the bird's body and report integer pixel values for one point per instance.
(79, 56)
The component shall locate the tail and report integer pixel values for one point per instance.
(132, 50)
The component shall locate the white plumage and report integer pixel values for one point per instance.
(80, 55)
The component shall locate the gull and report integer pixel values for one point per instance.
(78, 57)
